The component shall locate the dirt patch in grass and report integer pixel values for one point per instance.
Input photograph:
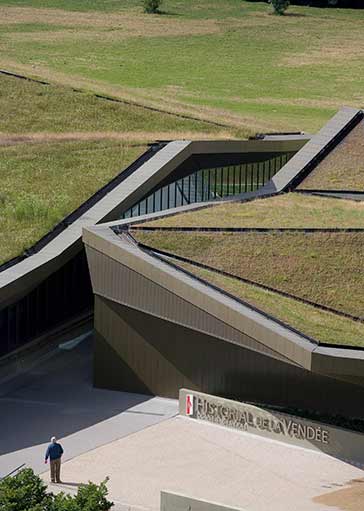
(325, 268)
(343, 168)
(287, 210)
(320, 325)
(133, 24)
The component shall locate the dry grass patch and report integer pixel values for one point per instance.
(165, 102)
(133, 24)
(343, 168)
(322, 326)
(132, 137)
(338, 52)
(325, 268)
(287, 210)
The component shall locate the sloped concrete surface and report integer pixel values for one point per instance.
(56, 397)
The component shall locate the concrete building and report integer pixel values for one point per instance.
(159, 327)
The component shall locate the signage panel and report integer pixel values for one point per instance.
(344, 444)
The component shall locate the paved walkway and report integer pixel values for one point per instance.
(56, 397)
(139, 443)
(217, 464)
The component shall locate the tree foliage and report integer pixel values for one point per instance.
(152, 6)
(27, 492)
(280, 6)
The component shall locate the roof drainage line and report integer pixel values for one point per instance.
(251, 282)
(233, 297)
(123, 101)
(160, 111)
(74, 215)
(303, 173)
(307, 230)
(197, 206)
(351, 192)
(350, 196)
(22, 77)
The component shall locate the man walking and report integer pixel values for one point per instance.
(54, 453)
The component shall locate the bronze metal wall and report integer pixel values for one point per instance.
(138, 352)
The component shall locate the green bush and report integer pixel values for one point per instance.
(24, 492)
(152, 6)
(280, 6)
(27, 492)
(92, 497)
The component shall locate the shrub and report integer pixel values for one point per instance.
(27, 492)
(152, 6)
(92, 497)
(24, 492)
(280, 6)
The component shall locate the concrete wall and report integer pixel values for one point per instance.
(177, 502)
(338, 442)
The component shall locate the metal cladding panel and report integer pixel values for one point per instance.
(118, 283)
(138, 352)
(237, 315)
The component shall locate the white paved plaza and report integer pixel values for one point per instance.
(214, 463)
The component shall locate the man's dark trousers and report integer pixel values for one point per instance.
(55, 466)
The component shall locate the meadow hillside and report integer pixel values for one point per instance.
(59, 146)
(226, 60)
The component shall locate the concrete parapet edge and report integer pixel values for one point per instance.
(171, 501)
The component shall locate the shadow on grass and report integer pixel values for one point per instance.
(295, 15)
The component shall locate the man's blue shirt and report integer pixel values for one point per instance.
(54, 451)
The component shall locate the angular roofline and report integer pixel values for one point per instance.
(252, 322)
(54, 251)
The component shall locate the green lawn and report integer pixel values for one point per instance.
(58, 147)
(322, 326)
(325, 268)
(41, 184)
(288, 210)
(225, 60)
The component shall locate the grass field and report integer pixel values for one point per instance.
(230, 61)
(321, 267)
(320, 325)
(58, 147)
(288, 210)
(343, 168)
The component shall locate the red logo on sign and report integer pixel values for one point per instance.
(189, 404)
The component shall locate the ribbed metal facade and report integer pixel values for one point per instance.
(138, 352)
(122, 285)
